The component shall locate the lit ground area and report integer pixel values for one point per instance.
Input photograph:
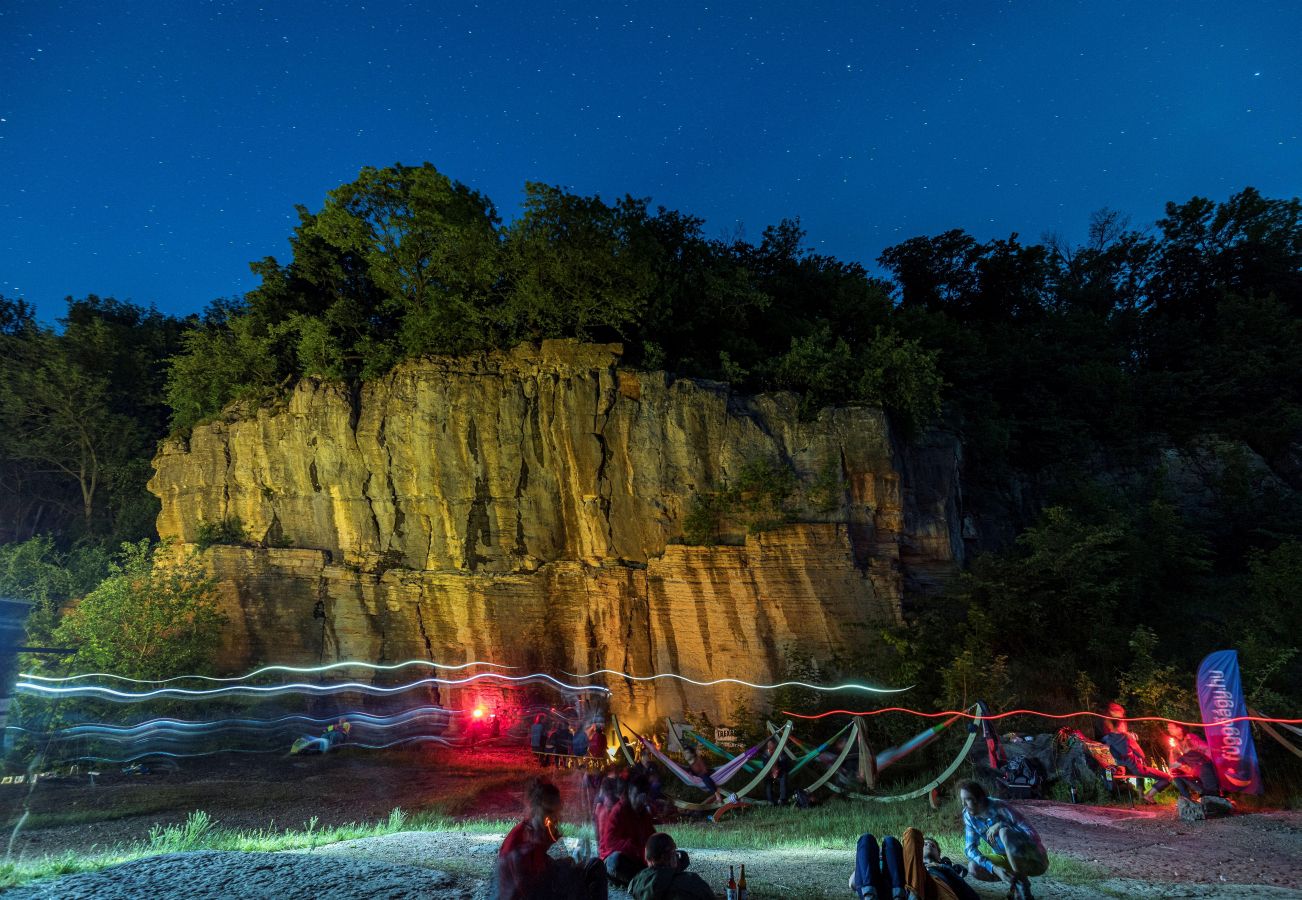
(302, 806)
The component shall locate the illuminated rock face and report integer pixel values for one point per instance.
(526, 507)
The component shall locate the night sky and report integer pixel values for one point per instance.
(150, 150)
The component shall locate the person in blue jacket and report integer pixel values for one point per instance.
(1016, 851)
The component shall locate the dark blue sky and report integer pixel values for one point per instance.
(150, 150)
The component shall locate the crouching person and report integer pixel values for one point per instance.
(1016, 854)
(665, 878)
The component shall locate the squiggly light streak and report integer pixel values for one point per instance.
(763, 687)
(276, 689)
(129, 759)
(1035, 712)
(160, 727)
(300, 670)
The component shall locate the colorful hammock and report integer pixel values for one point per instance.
(721, 774)
(730, 768)
(894, 755)
(753, 766)
(836, 765)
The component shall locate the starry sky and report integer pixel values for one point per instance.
(150, 150)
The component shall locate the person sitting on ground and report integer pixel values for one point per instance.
(775, 785)
(895, 870)
(701, 769)
(1195, 773)
(526, 871)
(1128, 753)
(665, 878)
(1017, 853)
(942, 868)
(334, 735)
(623, 828)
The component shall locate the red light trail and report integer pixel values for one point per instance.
(1036, 712)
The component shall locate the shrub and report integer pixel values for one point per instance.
(228, 531)
(154, 617)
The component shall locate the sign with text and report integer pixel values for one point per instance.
(1220, 696)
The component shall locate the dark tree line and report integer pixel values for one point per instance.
(1068, 371)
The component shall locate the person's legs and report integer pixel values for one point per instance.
(621, 867)
(894, 866)
(1024, 859)
(980, 874)
(782, 789)
(867, 866)
(1161, 780)
(1182, 787)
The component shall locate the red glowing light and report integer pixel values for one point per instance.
(1035, 712)
(478, 713)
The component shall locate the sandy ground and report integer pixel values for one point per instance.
(1140, 852)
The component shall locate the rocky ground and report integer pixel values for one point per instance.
(1139, 852)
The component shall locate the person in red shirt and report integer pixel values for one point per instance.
(525, 868)
(623, 827)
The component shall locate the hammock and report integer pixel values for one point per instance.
(836, 764)
(720, 776)
(752, 766)
(731, 767)
(944, 776)
(683, 737)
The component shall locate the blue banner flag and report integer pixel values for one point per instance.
(1220, 696)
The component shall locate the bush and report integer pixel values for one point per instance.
(228, 531)
(154, 617)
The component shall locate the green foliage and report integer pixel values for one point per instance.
(1148, 685)
(38, 572)
(701, 524)
(576, 266)
(759, 498)
(80, 410)
(228, 531)
(153, 617)
(905, 378)
(827, 491)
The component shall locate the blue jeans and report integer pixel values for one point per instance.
(882, 867)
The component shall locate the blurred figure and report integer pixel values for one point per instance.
(526, 871)
(1128, 753)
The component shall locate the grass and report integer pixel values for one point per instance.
(201, 832)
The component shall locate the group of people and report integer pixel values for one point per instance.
(1001, 846)
(551, 742)
(1192, 772)
(630, 852)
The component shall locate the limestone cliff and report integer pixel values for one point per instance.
(527, 507)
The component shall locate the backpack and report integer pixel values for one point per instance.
(1020, 778)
